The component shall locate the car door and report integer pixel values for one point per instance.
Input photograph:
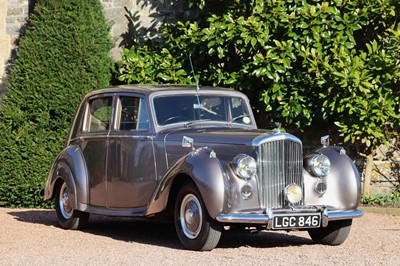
(131, 177)
(94, 145)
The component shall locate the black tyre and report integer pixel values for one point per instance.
(334, 234)
(195, 229)
(68, 218)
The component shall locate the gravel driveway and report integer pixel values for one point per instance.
(31, 237)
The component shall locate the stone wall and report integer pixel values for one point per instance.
(138, 19)
(13, 15)
(5, 45)
(386, 170)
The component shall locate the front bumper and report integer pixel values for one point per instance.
(267, 218)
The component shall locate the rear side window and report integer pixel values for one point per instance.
(100, 114)
(133, 114)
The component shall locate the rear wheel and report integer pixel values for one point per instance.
(195, 228)
(334, 234)
(68, 218)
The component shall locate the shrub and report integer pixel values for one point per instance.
(64, 54)
(333, 65)
(391, 199)
(140, 65)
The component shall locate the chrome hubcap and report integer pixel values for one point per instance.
(191, 216)
(63, 202)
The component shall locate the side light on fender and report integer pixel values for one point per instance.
(246, 191)
(320, 188)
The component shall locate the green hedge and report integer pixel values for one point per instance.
(64, 54)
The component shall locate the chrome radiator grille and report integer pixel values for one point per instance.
(280, 164)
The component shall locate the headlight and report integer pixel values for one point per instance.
(293, 193)
(244, 166)
(320, 165)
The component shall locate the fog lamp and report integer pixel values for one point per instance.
(293, 193)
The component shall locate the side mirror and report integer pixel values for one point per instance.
(187, 142)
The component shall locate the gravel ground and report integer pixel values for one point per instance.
(32, 237)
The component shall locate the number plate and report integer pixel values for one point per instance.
(297, 221)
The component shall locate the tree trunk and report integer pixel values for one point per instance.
(368, 174)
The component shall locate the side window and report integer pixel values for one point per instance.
(100, 114)
(78, 122)
(133, 114)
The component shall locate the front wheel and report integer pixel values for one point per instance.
(334, 234)
(68, 218)
(195, 228)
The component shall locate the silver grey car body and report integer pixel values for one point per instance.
(146, 150)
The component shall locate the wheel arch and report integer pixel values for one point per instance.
(203, 169)
(179, 181)
(70, 167)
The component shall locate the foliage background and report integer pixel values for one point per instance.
(327, 64)
(64, 54)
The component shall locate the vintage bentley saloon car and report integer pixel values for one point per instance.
(195, 155)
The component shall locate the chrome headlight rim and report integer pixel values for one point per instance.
(320, 165)
(293, 193)
(244, 166)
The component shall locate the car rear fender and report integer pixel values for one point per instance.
(69, 166)
(205, 170)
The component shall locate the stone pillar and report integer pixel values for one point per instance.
(115, 12)
(5, 45)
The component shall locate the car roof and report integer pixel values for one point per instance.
(149, 89)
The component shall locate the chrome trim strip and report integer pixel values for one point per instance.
(138, 212)
(244, 218)
(268, 137)
(262, 218)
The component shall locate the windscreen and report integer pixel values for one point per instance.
(191, 108)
